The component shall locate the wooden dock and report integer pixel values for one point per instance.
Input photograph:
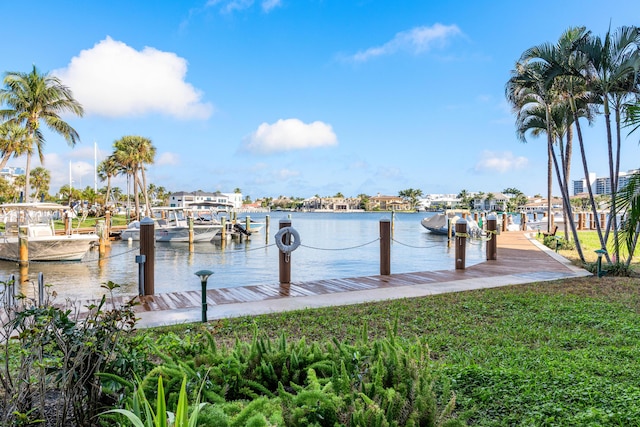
(520, 260)
(516, 255)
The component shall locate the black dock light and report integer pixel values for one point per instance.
(204, 275)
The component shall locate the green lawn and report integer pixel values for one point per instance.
(558, 353)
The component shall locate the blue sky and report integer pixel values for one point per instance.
(304, 97)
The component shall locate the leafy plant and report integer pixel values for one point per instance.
(141, 413)
(51, 359)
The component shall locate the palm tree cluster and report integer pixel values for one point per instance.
(553, 87)
(130, 155)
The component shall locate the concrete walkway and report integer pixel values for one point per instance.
(521, 259)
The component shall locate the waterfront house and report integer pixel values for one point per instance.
(388, 203)
(336, 204)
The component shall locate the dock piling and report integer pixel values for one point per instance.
(147, 248)
(492, 243)
(285, 259)
(461, 243)
(385, 247)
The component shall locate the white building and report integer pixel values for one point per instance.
(438, 201)
(601, 185)
(201, 200)
(234, 198)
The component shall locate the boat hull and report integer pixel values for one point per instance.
(175, 234)
(58, 248)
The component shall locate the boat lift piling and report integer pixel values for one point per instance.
(285, 259)
(103, 236)
(23, 246)
(461, 243)
(385, 247)
(267, 220)
(492, 242)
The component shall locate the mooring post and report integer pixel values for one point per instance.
(23, 246)
(523, 221)
(267, 220)
(247, 224)
(461, 243)
(107, 221)
(190, 223)
(385, 247)
(147, 248)
(223, 232)
(102, 233)
(492, 243)
(449, 232)
(285, 259)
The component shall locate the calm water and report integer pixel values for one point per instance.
(334, 245)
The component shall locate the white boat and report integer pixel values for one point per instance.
(35, 222)
(171, 225)
(439, 223)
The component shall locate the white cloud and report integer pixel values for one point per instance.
(290, 134)
(169, 159)
(500, 162)
(113, 79)
(230, 6)
(417, 40)
(269, 5)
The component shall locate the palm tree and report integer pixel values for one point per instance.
(545, 82)
(34, 98)
(13, 142)
(611, 72)
(40, 180)
(133, 152)
(107, 169)
(411, 195)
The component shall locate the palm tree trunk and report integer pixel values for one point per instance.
(586, 174)
(549, 179)
(106, 196)
(27, 172)
(144, 192)
(136, 198)
(612, 180)
(565, 197)
(5, 159)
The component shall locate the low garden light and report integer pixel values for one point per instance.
(204, 276)
(600, 252)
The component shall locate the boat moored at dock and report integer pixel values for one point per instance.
(34, 223)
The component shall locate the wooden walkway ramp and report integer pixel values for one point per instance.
(517, 255)
(520, 260)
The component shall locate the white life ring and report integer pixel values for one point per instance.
(294, 238)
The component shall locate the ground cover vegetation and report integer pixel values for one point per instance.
(549, 353)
